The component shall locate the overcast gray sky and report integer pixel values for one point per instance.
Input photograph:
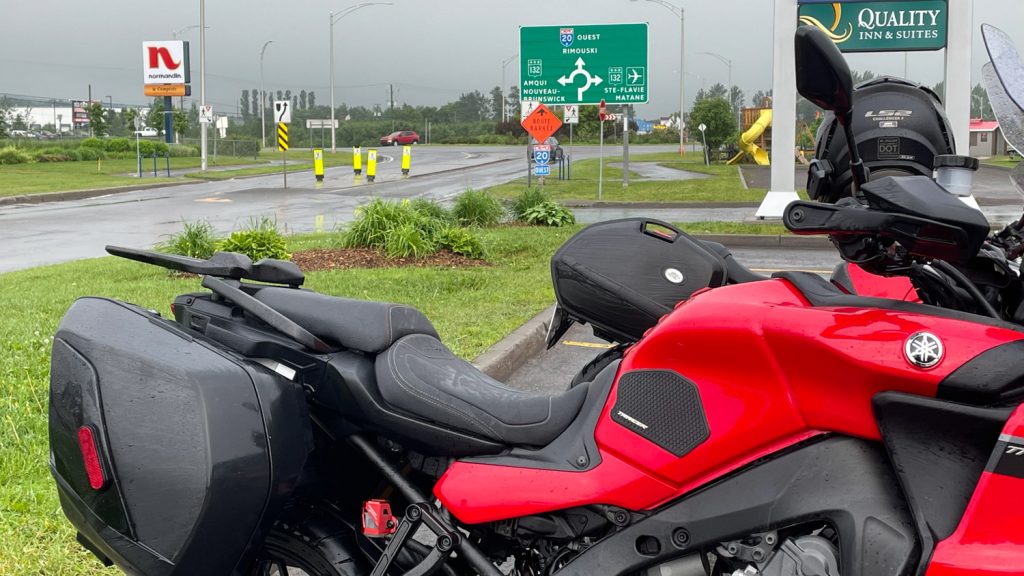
(430, 49)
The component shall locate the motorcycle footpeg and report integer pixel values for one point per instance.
(446, 542)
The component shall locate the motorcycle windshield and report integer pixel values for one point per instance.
(1003, 78)
(1005, 61)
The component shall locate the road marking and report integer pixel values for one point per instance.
(213, 200)
(586, 344)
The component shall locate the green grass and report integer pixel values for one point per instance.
(242, 172)
(34, 178)
(1004, 161)
(723, 185)
(472, 308)
(760, 229)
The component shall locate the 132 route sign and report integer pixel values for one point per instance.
(542, 123)
(584, 64)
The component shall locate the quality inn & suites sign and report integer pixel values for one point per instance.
(879, 26)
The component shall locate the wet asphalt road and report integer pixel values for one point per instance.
(36, 234)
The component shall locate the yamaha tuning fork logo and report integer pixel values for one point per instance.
(923, 349)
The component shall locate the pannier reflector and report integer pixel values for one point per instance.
(93, 468)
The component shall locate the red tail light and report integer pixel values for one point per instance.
(91, 456)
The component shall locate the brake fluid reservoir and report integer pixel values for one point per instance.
(955, 173)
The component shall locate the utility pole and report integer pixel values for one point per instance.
(334, 17)
(391, 98)
(202, 81)
(89, 104)
(263, 103)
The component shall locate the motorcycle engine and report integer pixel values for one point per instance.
(760, 555)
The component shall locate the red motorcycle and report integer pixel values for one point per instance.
(766, 427)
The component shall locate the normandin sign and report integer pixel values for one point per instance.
(165, 62)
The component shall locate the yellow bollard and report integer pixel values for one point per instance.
(406, 159)
(318, 164)
(371, 164)
(357, 160)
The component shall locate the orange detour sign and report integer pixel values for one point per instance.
(542, 123)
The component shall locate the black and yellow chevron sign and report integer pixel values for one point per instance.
(282, 136)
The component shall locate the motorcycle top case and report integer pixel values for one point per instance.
(169, 453)
(621, 276)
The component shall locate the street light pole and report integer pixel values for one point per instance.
(681, 14)
(504, 108)
(727, 62)
(202, 81)
(263, 104)
(334, 17)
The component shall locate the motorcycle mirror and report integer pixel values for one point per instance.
(822, 75)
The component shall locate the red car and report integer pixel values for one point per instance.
(400, 138)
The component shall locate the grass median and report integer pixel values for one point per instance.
(39, 177)
(721, 183)
(1003, 161)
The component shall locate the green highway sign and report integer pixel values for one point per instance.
(584, 64)
(879, 26)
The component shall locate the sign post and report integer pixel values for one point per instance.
(541, 124)
(571, 117)
(702, 128)
(584, 64)
(283, 117)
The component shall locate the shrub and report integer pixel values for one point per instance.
(197, 240)
(409, 229)
(148, 147)
(92, 143)
(11, 155)
(90, 153)
(408, 240)
(54, 154)
(477, 208)
(261, 239)
(183, 151)
(459, 241)
(431, 209)
(118, 145)
(528, 199)
(375, 220)
(549, 213)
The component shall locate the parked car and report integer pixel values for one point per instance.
(400, 138)
(147, 131)
(556, 149)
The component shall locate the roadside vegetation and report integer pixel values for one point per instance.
(722, 184)
(1003, 161)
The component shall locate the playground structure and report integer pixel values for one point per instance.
(756, 136)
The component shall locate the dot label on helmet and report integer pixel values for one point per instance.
(674, 276)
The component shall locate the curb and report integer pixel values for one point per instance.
(511, 352)
(659, 205)
(766, 241)
(93, 193)
(83, 194)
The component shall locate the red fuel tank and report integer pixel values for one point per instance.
(730, 376)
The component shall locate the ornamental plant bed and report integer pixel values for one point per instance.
(345, 258)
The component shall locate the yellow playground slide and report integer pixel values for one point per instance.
(747, 139)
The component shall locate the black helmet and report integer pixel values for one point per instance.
(900, 128)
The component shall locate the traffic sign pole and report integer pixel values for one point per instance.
(600, 161)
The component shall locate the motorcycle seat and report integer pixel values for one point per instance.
(420, 376)
(355, 324)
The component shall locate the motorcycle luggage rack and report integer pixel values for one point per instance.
(234, 268)
(222, 265)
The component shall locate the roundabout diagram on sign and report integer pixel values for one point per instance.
(594, 80)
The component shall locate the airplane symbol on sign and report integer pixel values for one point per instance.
(634, 75)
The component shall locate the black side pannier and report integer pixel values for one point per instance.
(621, 276)
(170, 454)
